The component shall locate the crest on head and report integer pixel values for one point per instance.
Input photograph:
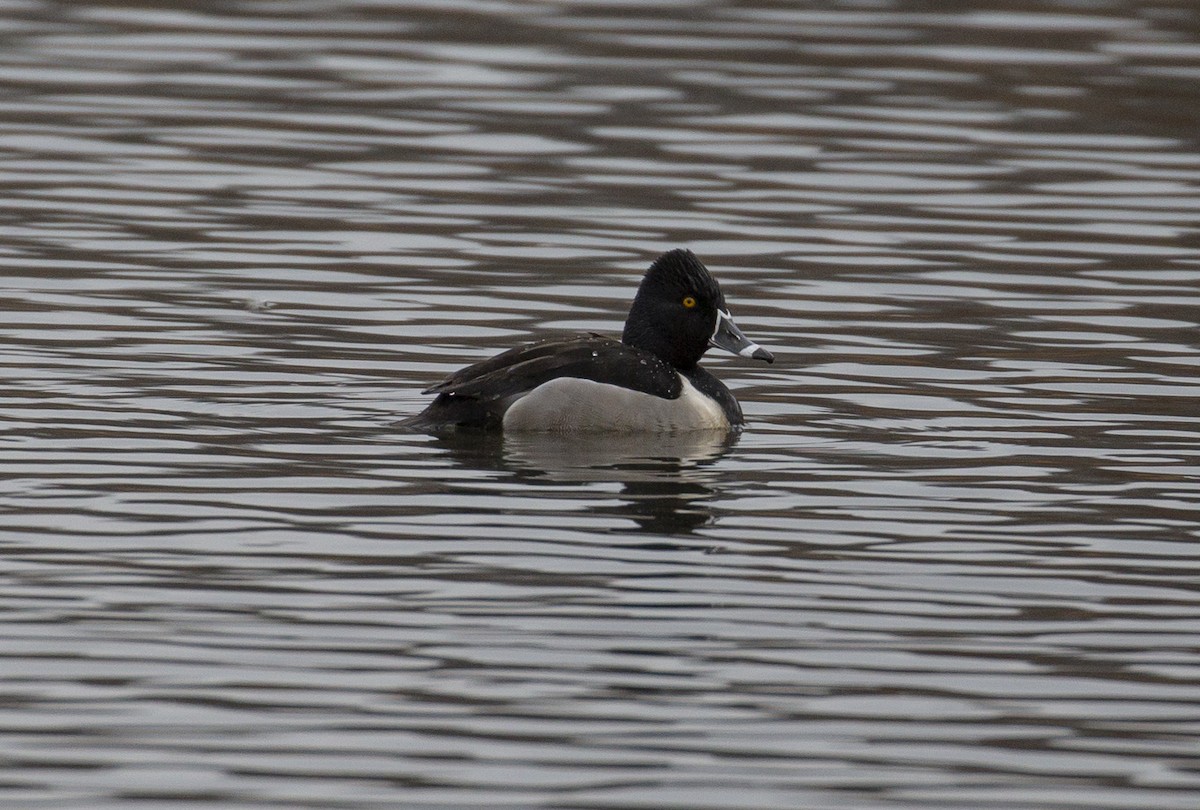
(675, 311)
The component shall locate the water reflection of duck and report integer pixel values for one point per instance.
(663, 483)
(649, 381)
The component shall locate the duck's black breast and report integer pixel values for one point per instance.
(479, 395)
(714, 389)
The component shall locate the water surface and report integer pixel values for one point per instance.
(951, 563)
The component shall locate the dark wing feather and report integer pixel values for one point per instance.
(589, 357)
(478, 395)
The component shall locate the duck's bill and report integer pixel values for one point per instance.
(728, 337)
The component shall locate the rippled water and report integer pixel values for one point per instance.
(952, 563)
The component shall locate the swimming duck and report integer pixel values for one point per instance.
(648, 381)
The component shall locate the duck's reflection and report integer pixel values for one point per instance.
(664, 482)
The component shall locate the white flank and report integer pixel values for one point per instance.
(568, 404)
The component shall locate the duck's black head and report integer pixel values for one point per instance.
(679, 311)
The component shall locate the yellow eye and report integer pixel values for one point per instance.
(689, 302)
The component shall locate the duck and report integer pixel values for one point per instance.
(649, 381)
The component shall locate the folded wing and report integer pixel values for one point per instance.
(478, 395)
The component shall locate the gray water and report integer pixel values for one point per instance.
(951, 563)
